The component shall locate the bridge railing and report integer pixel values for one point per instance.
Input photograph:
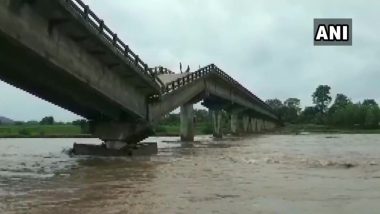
(202, 72)
(160, 70)
(98, 25)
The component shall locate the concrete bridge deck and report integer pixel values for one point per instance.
(60, 51)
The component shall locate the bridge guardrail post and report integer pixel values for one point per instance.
(101, 26)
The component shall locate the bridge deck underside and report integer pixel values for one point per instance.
(28, 71)
(48, 52)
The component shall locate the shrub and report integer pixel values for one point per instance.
(24, 132)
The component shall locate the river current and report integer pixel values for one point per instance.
(310, 173)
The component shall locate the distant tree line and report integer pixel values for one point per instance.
(342, 112)
(49, 120)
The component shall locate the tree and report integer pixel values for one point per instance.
(287, 111)
(341, 101)
(47, 121)
(322, 98)
(291, 110)
(274, 103)
(345, 115)
(308, 114)
(32, 122)
(293, 103)
(372, 113)
(19, 123)
(370, 103)
(84, 125)
(371, 118)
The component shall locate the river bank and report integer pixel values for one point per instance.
(42, 131)
(72, 131)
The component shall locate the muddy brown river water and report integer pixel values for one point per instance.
(260, 174)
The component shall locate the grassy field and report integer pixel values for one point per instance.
(37, 130)
(174, 129)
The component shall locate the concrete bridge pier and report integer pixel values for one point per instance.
(253, 125)
(270, 125)
(246, 124)
(235, 123)
(120, 138)
(273, 125)
(259, 125)
(114, 144)
(217, 123)
(115, 134)
(187, 122)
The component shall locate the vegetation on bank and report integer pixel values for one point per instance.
(340, 114)
(47, 127)
(37, 130)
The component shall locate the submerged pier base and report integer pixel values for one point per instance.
(139, 149)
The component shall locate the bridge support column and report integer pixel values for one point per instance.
(115, 144)
(187, 122)
(217, 123)
(120, 139)
(234, 123)
(117, 133)
(259, 125)
(246, 123)
(270, 125)
(253, 125)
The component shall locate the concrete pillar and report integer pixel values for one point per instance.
(259, 125)
(269, 125)
(187, 122)
(246, 123)
(117, 145)
(253, 125)
(217, 123)
(118, 134)
(264, 125)
(234, 123)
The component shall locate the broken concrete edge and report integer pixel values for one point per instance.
(140, 149)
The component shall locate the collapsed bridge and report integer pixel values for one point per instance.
(60, 51)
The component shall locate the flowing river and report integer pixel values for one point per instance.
(313, 173)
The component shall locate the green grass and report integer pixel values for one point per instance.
(174, 129)
(37, 130)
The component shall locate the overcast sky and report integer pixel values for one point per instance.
(266, 45)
